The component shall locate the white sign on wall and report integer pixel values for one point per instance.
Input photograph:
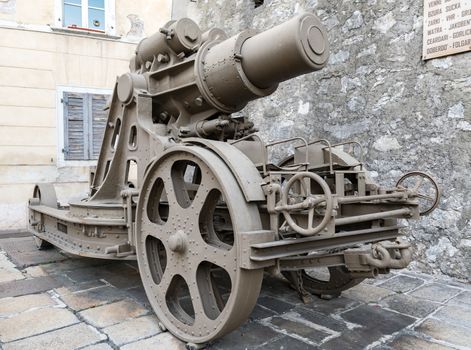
(447, 27)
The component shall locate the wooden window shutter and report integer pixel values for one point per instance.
(98, 123)
(75, 123)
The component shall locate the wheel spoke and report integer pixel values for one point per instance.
(166, 279)
(207, 184)
(223, 256)
(424, 196)
(196, 300)
(305, 186)
(161, 288)
(152, 229)
(170, 190)
(418, 183)
(310, 218)
(318, 199)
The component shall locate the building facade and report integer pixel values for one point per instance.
(59, 61)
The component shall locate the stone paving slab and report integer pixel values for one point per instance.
(367, 293)
(74, 263)
(260, 312)
(72, 337)
(318, 320)
(462, 298)
(459, 315)
(5, 263)
(299, 328)
(10, 274)
(451, 333)
(138, 293)
(401, 284)
(333, 306)
(14, 234)
(372, 323)
(23, 252)
(409, 305)
(120, 275)
(34, 322)
(28, 286)
(69, 287)
(15, 305)
(288, 343)
(409, 342)
(249, 336)
(435, 292)
(102, 346)
(161, 341)
(107, 315)
(132, 330)
(94, 297)
(34, 271)
(81, 303)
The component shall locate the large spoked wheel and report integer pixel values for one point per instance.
(323, 282)
(45, 194)
(189, 216)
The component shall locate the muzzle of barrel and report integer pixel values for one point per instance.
(250, 65)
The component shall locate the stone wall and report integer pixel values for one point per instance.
(408, 114)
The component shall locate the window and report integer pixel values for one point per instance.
(84, 125)
(94, 15)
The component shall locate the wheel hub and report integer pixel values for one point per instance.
(178, 242)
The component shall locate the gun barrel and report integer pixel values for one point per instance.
(250, 65)
(293, 48)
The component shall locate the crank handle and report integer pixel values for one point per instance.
(308, 203)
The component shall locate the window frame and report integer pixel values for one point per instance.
(110, 25)
(61, 129)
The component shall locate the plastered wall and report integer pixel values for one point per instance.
(34, 62)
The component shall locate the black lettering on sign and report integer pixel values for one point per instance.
(460, 24)
(459, 34)
(434, 22)
(435, 13)
(435, 31)
(437, 39)
(453, 7)
(462, 43)
(435, 3)
(450, 17)
(466, 13)
(436, 49)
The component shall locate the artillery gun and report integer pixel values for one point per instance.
(207, 212)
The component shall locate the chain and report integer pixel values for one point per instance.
(303, 294)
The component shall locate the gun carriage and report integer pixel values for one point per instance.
(206, 212)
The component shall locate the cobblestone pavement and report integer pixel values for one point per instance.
(51, 301)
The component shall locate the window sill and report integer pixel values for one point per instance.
(76, 163)
(85, 33)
